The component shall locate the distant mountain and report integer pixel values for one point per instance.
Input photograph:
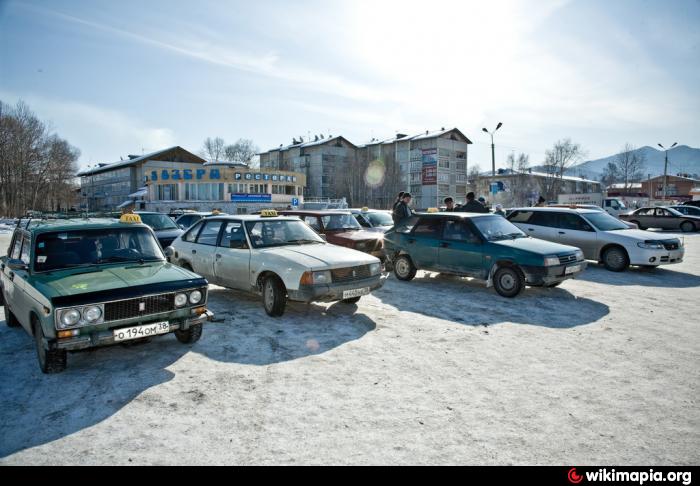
(681, 159)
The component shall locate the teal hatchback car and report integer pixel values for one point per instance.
(482, 246)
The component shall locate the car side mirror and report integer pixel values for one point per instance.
(169, 252)
(17, 265)
(238, 244)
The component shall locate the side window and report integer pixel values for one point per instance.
(26, 245)
(210, 233)
(521, 216)
(459, 231)
(191, 235)
(313, 222)
(17, 247)
(608, 203)
(233, 232)
(406, 225)
(429, 228)
(662, 213)
(572, 222)
(543, 218)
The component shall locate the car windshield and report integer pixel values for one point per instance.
(380, 218)
(265, 234)
(158, 221)
(334, 222)
(496, 228)
(605, 222)
(77, 248)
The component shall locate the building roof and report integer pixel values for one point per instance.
(538, 174)
(421, 136)
(135, 160)
(312, 143)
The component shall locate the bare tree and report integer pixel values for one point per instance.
(243, 151)
(214, 149)
(611, 174)
(630, 165)
(558, 159)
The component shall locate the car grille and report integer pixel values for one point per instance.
(566, 259)
(128, 309)
(350, 274)
(671, 244)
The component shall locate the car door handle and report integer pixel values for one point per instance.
(218, 256)
(562, 233)
(12, 275)
(530, 229)
(444, 245)
(194, 252)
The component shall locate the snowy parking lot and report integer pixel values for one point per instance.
(441, 370)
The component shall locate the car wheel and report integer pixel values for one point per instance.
(190, 335)
(50, 360)
(687, 227)
(354, 300)
(404, 269)
(615, 259)
(638, 224)
(10, 318)
(274, 296)
(508, 281)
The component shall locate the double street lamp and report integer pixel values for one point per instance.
(493, 151)
(666, 166)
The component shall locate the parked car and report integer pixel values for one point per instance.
(592, 207)
(692, 203)
(85, 283)
(341, 228)
(188, 219)
(373, 219)
(278, 257)
(162, 225)
(603, 238)
(484, 246)
(687, 210)
(663, 218)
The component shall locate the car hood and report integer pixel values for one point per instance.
(97, 279)
(534, 245)
(319, 257)
(359, 235)
(641, 235)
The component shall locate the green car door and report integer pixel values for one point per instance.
(423, 242)
(461, 249)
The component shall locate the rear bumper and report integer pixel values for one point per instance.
(537, 276)
(332, 292)
(106, 338)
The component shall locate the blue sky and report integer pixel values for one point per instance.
(124, 77)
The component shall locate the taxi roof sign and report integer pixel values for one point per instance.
(268, 213)
(365, 209)
(433, 210)
(130, 218)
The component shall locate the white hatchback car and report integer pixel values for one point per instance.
(602, 237)
(279, 257)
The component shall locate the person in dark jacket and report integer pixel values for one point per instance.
(402, 211)
(449, 205)
(472, 205)
(398, 200)
(541, 202)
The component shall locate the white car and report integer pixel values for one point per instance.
(279, 257)
(602, 237)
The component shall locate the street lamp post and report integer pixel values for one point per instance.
(493, 150)
(666, 166)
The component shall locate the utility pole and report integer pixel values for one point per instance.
(493, 148)
(666, 167)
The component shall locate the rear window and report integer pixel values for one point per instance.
(406, 226)
(520, 216)
(431, 228)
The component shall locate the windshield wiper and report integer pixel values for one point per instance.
(300, 242)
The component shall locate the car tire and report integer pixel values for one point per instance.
(10, 318)
(508, 281)
(354, 300)
(190, 335)
(50, 360)
(404, 269)
(615, 259)
(687, 227)
(274, 296)
(638, 224)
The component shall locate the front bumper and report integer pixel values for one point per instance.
(106, 338)
(333, 292)
(643, 256)
(538, 276)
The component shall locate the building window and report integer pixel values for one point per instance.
(443, 177)
(444, 189)
(167, 192)
(416, 189)
(444, 164)
(461, 166)
(461, 155)
(461, 177)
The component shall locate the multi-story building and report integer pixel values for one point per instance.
(677, 187)
(177, 179)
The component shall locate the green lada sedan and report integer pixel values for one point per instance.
(483, 246)
(84, 283)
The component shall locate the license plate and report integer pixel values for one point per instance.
(349, 294)
(138, 332)
(572, 269)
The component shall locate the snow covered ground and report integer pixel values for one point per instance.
(604, 369)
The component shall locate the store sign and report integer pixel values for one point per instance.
(215, 175)
(251, 198)
(429, 166)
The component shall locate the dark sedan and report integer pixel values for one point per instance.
(164, 227)
(687, 210)
(664, 218)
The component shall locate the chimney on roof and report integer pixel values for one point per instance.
(426, 132)
(442, 129)
(294, 141)
(132, 157)
(316, 138)
(401, 135)
(322, 137)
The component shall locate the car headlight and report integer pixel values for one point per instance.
(375, 268)
(195, 297)
(651, 245)
(70, 317)
(322, 277)
(180, 300)
(579, 255)
(92, 313)
(551, 261)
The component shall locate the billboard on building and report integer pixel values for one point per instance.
(429, 175)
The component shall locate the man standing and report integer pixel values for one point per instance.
(450, 205)
(540, 202)
(472, 205)
(402, 211)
